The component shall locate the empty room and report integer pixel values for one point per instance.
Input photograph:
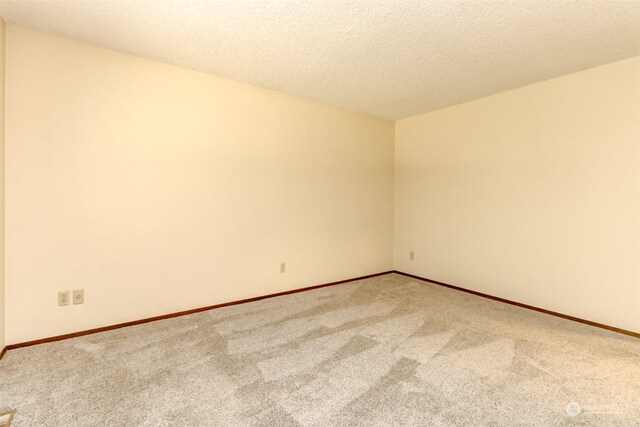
(319, 213)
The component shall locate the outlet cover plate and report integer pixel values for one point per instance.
(63, 298)
(78, 296)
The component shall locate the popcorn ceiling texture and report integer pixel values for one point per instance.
(392, 59)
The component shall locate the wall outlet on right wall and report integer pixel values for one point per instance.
(411, 255)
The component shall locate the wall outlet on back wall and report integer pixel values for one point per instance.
(78, 296)
(66, 297)
(63, 298)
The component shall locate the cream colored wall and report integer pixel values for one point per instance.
(2, 297)
(531, 195)
(159, 189)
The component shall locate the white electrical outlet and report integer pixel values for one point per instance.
(63, 298)
(283, 267)
(78, 296)
(411, 255)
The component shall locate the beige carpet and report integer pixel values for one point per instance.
(382, 351)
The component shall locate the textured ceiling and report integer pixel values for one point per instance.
(392, 58)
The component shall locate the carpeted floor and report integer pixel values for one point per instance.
(383, 351)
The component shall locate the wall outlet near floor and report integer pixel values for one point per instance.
(411, 255)
(63, 298)
(283, 267)
(78, 296)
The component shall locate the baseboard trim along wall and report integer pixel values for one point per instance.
(309, 288)
(529, 307)
(181, 313)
